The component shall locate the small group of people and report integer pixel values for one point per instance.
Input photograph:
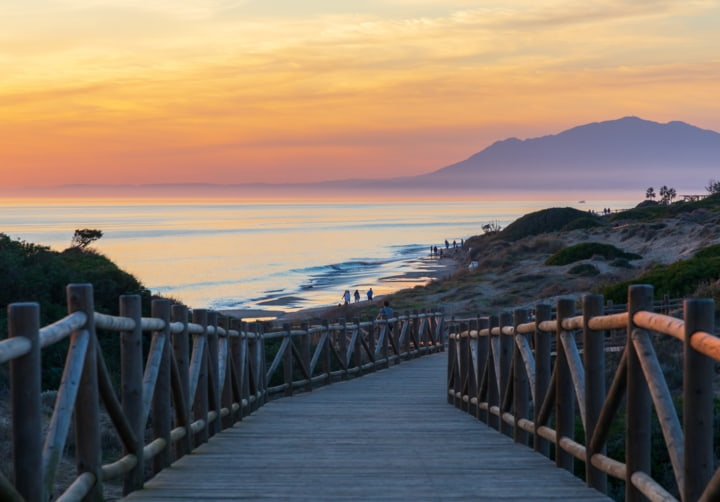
(386, 311)
(455, 246)
(356, 295)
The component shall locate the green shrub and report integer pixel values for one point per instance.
(586, 250)
(540, 222)
(583, 223)
(678, 279)
(34, 273)
(584, 270)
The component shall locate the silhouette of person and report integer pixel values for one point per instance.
(346, 297)
(369, 294)
(357, 296)
(386, 312)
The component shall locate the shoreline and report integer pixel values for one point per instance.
(434, 269)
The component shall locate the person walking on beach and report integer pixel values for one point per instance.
(370, 294)
(346, 296)
(357, 296)
(386, 312)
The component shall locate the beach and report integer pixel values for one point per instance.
(427, 270)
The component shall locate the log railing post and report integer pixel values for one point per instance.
(637, 431)
(493, 372)
(261, 364)
(161, 406)
(25, 387)
(306, 352)
(543, 372)
(326, 352)
(213, 372)
(131, 387)
(463, 367)
(288, 361)
(357, 348)
(697, 401)
(507, 344)
(237, 375)
(564, 390)
(594, 362)
(181, 351)
(87, 406)
(484, 356)
(475, 363)
(521, 398)
(226, 378)
(200, 403)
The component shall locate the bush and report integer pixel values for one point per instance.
(583, 223)
(34, 273)
(544, 221)
(586, 250)
(677, 280)
(584, 270)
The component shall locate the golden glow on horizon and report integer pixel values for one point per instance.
(120, 91)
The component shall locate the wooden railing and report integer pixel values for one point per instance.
(197, 377)
(529, 380)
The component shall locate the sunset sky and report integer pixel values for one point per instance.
(223, 91)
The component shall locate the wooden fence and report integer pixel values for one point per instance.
(532, 382)
(197, 376)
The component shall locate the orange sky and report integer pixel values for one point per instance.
(222, 91)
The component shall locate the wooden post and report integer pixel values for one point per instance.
(697, 401)
(521, 394)
(463, 367)
(261, 365)
(181, 351)
(251, 381)
(637, 432)
(493, 373)
(564, 390)
(327, 353)
(450, 373)
(237, 377)
(306, 352)
(484, 363)
(201, 404)
(213, 372)
(343, 346)
(131, 387)
(226, 378)
(357, 348)
(288, 361)
(543, 371)
(372, 344)
(474, 373)
(25, 388)
(506, 353)
(161, 406)
(594, 362)
(87, 406)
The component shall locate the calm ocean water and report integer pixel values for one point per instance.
(267, 255)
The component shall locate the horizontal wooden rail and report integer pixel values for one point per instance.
(533, 389)
(202, 373)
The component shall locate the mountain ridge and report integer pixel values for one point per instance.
(628, 154)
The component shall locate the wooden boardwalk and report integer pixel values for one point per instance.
(389, 436)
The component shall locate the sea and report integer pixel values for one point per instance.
(270, 255)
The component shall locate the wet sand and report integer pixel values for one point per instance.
(432, 270)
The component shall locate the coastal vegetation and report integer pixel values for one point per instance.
(586, 250)
(36, 273)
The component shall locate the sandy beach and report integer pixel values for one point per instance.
(427, 270)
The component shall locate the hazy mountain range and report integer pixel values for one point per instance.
(628, 154)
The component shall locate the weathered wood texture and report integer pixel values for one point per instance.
(387, 436)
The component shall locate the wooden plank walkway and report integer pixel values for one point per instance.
(385, 436)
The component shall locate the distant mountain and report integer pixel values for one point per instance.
(628, 154)
(624, 153)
